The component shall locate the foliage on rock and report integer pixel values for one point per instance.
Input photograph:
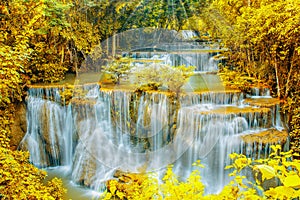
(6, 118)
(148, 77)
(66, 94)
(176, 77)
(279, 167)
(295, 131)
(131, 186)
(146, 186)
(238, 80)
(292, 113)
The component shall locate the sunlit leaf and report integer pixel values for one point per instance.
(268, 172)
(292, 181)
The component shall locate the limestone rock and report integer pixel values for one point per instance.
(19, 127)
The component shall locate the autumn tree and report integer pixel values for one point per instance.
(263, 41)
(118, 16)
(31, 50)
(163, 14)
(118, 67)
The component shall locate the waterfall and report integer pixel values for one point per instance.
(203, 61)
(47, 136)
(100, 131)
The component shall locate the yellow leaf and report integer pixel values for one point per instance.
(228, 167)
(121, 195)
(267, 172)
(112, 186)
(108, 196)
(292, 181)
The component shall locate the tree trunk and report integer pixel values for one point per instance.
(107, 46)
(287, 87)
(76, 62)
(114, 45)
(277, 79)
(62, 55)
(76, 67)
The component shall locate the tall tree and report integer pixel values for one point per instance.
(264, 41)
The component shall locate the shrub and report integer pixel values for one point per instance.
(118, 67)
(157, 75)
(21, 180)
(279, 166)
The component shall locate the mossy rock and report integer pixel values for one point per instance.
(226, 110)
(270, 136)
(262, 102)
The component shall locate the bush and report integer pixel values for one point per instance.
(118, 67)
(238, 80)
(21, 180)
(278, 166)
(156, 75)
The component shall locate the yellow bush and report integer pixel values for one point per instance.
(279, 166)
(21, 180)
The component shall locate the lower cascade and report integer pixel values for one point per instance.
(100, 131)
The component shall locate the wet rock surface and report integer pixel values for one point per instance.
(270, 136)
(19, 127)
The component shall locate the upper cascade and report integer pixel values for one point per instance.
(152, 45)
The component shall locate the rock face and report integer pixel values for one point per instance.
(257, 144)
(270, 136)
(19, 127)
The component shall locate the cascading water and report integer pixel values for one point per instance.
(48, 137)
(165, 46)
(102, 130)
(108, 130)
(203, 61)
